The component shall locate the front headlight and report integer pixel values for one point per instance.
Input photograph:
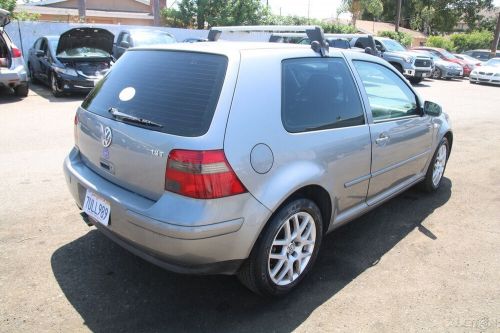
(67, 71)
(496, 74)
(409, 59)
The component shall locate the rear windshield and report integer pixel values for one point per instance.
(177, 90)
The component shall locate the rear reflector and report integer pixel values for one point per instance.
(75, 129)
(201, 174)
(16, 53)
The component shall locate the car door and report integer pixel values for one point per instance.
(401, 133)
(43, 61)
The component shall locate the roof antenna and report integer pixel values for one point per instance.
(213, 35)
(318, 42)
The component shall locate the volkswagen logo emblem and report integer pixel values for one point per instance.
(107, 137)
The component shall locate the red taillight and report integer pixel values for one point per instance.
(201, 174)
(75, 129)
(16, 53)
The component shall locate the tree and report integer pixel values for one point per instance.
(8, 5)
(358, 7)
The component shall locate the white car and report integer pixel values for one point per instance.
(488, 73)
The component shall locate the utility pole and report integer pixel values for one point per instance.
(308, 10)
(82, 8)
(156, 12)
(494, 44)
(398, 15)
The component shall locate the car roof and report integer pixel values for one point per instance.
(287, 50)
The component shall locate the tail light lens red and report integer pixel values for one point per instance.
(201, 174)
(16, 53)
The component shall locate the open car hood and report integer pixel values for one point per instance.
(4, 18)
(96, 38)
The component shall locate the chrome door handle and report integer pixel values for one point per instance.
(382, 139)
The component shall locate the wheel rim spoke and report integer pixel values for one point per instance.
(292, 248)
(439, 165)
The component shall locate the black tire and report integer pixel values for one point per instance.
(254, 273)
(22, 90)
(54, 86)
(428, 185)
(415, 80)
(436, 74)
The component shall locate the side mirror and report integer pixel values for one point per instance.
(39, 53)
(124, 44)
(432, 109)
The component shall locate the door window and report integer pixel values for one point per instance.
(389, 96)
(319, 93)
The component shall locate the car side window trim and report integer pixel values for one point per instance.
(366, 101)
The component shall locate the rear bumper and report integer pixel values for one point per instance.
(13, 77)
(180, 234)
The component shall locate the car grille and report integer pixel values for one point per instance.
(422, 63)
(484, 73)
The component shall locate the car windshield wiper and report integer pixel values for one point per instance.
(127, 117)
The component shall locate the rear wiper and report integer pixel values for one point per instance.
(127, 117)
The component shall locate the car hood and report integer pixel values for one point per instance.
(96, 38)
(488, 69)
(4, 18)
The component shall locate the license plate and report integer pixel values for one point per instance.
(96, 207)
(425, 75)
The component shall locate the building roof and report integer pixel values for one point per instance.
(50, 2)
(370, 27)
(90, 13)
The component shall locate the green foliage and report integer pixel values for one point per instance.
(173, 18)
(470, 41)
(402, 37)
(338, 28)
(440, 41)
(8, 5)
(208, 13)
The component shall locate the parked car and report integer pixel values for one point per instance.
(487, 73)
(472, 62)
(237, 158)
(194, 40)
(447, 56)
(13, 74)
(140, 37)
(414, 66)
(443, 69)
(481, 54)
(72, 62)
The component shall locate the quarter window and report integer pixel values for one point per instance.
(388, 94)
(319, 93)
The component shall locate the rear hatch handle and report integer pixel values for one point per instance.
(123, 116)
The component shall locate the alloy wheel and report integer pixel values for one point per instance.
(292, 248)
(439, 165)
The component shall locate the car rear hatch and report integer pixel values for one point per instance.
(151, 102)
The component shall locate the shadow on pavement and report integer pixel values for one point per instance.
(43, 91)
(115, 291)
(7, 96)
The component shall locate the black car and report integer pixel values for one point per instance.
(72, 62)
(140, 37)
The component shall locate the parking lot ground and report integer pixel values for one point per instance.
(418, 263)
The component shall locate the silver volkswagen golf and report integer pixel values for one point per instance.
(237, 158)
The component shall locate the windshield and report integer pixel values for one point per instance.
(53, 45)
(83, 52)
(152, 38)
(392, 45)
(448, 55)
(493, 62)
